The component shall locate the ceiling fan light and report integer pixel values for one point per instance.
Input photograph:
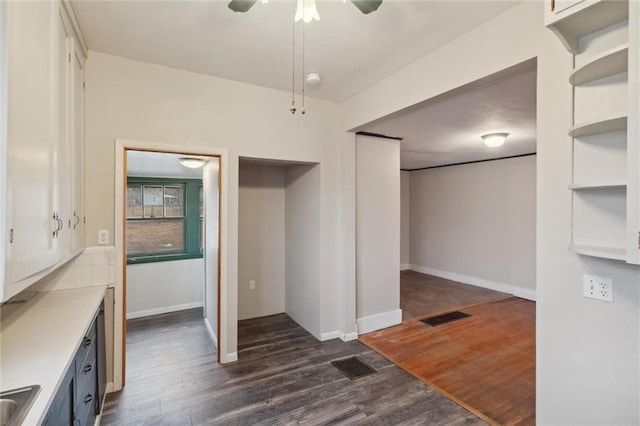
(192, 162)
(494, 139)
(306, 11)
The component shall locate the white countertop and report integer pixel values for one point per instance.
(39, 338)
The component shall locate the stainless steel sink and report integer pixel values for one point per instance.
(15, 404)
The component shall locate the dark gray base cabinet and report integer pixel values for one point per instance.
(79, 399)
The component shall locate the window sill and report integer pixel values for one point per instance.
(134, 260)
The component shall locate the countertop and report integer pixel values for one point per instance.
(39, 338)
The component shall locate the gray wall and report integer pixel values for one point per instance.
(377, 233)
(261, 218)
(405, 228)
(303, 238)
(477, 223)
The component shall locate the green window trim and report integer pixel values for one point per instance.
(191, 217)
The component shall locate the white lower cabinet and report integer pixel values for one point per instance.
(44, 143)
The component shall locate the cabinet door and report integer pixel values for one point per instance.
(30, 245)
(62, 409)
(62, 138)
(77, 147)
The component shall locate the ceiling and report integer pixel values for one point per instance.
(159, 164)
(446, 130)
(349, 50)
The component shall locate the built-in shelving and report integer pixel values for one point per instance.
(611, 123)
(589, 16)
(588, 187)
(604, 252)
(603, 37)
(610, 62)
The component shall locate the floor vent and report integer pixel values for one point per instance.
(353, 367)
(444, 318)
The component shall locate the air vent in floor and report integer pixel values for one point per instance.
(353, 367)
(444, 318)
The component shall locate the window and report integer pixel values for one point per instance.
(164, 219)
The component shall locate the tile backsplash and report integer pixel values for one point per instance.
(94, 266)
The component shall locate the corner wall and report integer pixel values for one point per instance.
(476, 223)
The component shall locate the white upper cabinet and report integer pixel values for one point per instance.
(44, 143)
(605, 187)
(78, 221)
(32, 219)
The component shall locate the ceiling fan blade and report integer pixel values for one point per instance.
(367, 6)
(241, 5)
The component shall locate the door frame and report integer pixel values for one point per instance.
(119, 326)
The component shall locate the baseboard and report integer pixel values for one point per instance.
(163, 310)
(230, 357)
(337, 334)
(212, 334)
(330, 335)
(405, 266)
(524, 293)
(109, 388)
(477, 282)
(346, 337)
(379, 321)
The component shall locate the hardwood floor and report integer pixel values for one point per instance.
(422, 294)
(283, 377)
(486, 362)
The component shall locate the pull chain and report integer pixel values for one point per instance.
(293, 67)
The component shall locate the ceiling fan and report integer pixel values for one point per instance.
(365, 6)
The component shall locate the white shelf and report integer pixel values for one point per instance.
(604, 252)
(596, 187)
(613, 123)
(586, 18)
(610, 62)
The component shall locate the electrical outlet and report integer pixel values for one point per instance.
(103, 237)
(598, 288)
(252, 285)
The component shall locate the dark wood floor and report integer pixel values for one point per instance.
(422, 294)
(485, 362)
(283, 377)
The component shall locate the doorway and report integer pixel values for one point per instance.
(163, 206)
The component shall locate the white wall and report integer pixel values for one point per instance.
(377, 233)
(211, 178)
(405, 228)
(134, 100)
(158, 287)
(303, 236)
(477, 223)
(261, 217)
(574, 334)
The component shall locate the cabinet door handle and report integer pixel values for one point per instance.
(86, 342)
(77, 219)
(87, 368)
(55, 231)
(88, 398)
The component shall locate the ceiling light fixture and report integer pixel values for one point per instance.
(192, 162)
(306, 11)
(494, 139)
